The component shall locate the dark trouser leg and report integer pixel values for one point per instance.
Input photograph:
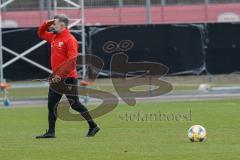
(53, 100)
(76, 105)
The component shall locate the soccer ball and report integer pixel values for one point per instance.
(197, 133)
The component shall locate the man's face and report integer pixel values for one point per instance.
(58, 26)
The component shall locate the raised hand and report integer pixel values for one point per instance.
(50, 22)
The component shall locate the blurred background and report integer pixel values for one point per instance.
(109, 12)
(198, 40)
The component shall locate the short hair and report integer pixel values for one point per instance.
(62, 18)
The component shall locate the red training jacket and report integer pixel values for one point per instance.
(64, 51)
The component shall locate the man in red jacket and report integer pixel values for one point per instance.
(64, 48)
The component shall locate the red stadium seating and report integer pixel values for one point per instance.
(132, 15)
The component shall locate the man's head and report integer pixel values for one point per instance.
(61, 22)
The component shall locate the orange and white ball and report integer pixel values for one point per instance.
(197, 133)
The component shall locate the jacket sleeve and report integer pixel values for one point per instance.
(44, 34)
(65, 69)
(72, 48)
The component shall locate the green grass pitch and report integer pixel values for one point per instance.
(125, 139)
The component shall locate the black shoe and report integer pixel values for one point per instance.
(46, 135)
(93, 131)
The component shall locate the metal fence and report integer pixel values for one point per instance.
(18, 5)
(30, 13)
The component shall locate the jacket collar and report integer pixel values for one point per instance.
(63, 33)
